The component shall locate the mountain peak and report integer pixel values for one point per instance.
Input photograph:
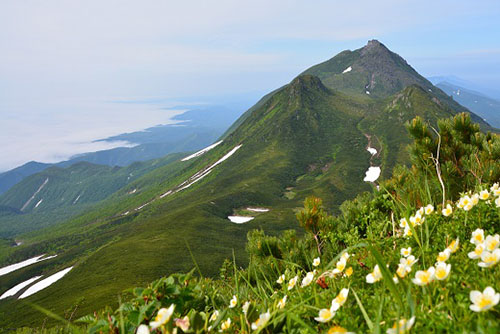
(374, 46)
(306, 83)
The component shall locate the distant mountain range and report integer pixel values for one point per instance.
(317, 135)
(479, 103)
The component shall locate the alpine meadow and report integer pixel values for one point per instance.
(357, 198)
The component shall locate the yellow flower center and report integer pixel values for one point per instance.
(484, 301)
(341, 265)
(348, 272)
(479, 237)
(490, 258)
(442, 258)
(478, 250)
(326, 314)
(340, 299)
(425, 277)
(492, 244)
(337, 329)
(440, 272)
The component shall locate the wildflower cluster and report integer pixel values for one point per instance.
(486, 249)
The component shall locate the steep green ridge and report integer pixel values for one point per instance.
(304, 139)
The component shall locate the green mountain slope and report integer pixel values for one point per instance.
(304, 139)
(56, 193)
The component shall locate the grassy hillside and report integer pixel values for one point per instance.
(304, 139)
(373, 268)
(55, 194)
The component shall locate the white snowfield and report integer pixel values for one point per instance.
(258, 209)
(45, 283)
(240, 219)
(25, 263)
(372, 150)
(372, 174)
(39, 202)
(200, 152)
(12, 292)
(349, 69)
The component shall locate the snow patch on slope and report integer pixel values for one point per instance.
(200, 152)
(13, 291)
(33, 196)
(39, 202)
(45, 283)
(372, 174)
(258, 209)
(349, 69)
(25, 263)
(240, 219)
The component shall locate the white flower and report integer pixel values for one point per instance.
(489, 259)
(214, 316)
(447, 211)
(307, 279)
(497, 202)
(292, 282)
(345, 256)
(406, 252)
(281, 279)
(483, 301)
(453, 246)
(464, 201)
(142, 329)
(245, 307)
(340, 300)
(492, 242)
(340, 266)
(476, 254)
(408, 262)
(374, 276)
(475, 199)
(421, 211)
(477, 236)
(417, 219)
(262, 321)
(325, 315)
(233, 302)
(444, 255)
(402, 326)
(424, 277)
(484, 195)
(442, 271)
(226, 324)
(316, 262)
(163, 316)
(407, 231)
(403, 222)
(282, 303)
(429, 209)
(402, 270)
(494, 187)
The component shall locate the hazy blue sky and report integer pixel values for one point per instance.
(61, 62)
